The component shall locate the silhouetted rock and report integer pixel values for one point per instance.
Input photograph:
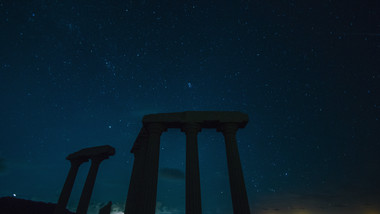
(10, 205)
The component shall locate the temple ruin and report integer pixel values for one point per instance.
(142, 191)
(96, 155)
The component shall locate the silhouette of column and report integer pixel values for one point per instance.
(106, 209)
(151, 167)
(193, 186)
(68, 186)
(84, 200)
(237, 186)
(134, 202)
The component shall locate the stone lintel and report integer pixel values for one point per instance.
(207, 119)
(92, 152)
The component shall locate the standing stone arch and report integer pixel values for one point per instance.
(96, 155)
(142, 191)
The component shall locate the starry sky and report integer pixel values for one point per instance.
(76, 74)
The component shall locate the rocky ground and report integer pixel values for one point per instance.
(11, 205)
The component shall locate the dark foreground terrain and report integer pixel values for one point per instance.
(10, 205)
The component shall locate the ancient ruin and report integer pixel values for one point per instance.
(106, 209)
(96, 155)
(142, 191)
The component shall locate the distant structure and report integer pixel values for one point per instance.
(96, 155)
(142, 191)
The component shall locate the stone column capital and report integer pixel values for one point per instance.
(228, 128)
(78, 161)
(98, 159)
(156, 128)
(191, 128)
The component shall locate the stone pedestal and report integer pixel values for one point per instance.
(193, 186)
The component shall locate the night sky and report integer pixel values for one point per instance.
(76, 74)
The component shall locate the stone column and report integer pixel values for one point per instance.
(193, 186)
(135, 201)
(151, 167)
(68, 186)
(237, 186)
(106, 209)
(84, 200)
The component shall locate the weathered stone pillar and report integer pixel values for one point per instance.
(68, 186)
(151, 167)
(193, 186)
(106, 209)
(237, 186)
(135, 203)
(84, 200)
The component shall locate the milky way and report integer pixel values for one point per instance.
(80, 74)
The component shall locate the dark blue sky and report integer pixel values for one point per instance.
(80, 74)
